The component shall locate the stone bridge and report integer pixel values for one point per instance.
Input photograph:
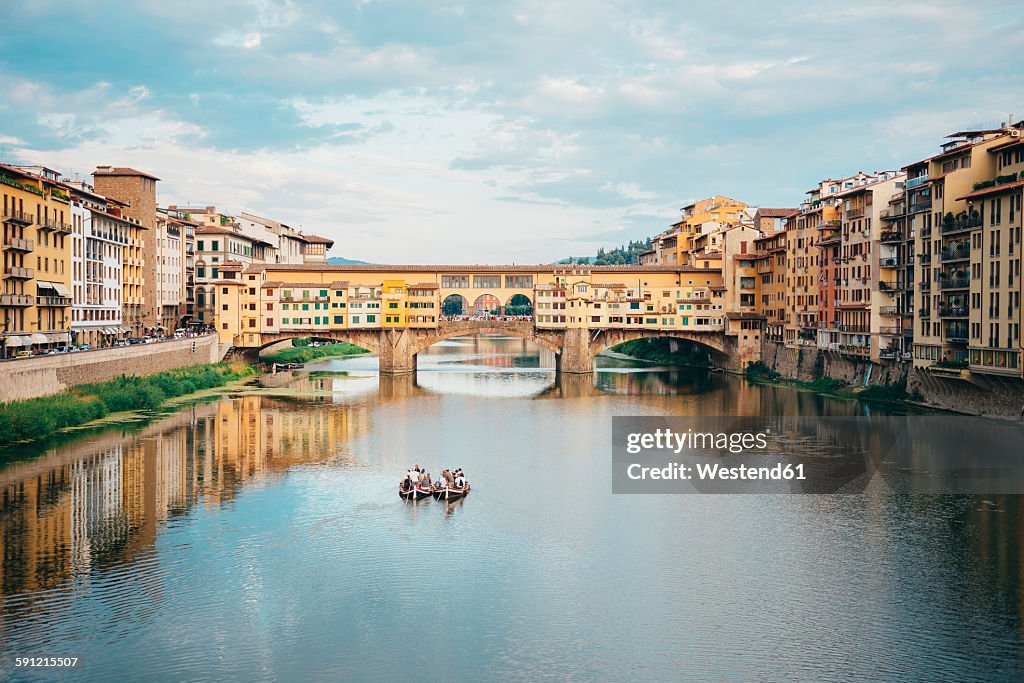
(574, 348)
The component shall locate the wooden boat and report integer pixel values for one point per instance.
(416, 493)
(450, 492)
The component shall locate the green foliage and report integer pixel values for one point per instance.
(659, 350)
(40, 417)
(884, 393)
(826, 385)
(757, 371)
(623, 255)
(303, 352)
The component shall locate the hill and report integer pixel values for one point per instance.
(341, 261)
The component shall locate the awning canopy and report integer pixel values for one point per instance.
(44, 284)
(15, 341)
(126, 329)
(59, 338)
(37, 338)
(61, 289)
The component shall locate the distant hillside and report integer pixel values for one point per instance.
(623, 255)
(341, 261)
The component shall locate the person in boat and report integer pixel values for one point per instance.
(425, 480)
(407, 482)
(449, 478)
(460, 479)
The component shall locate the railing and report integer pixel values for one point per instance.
(889, 236)
(12, 216)
(957, 253)
(17, 272)
(859, 329)
(18, 244)
(962, 282)
(307, 300)
(961, 224)
(889, 311)
(920, 206)
(885, 286)
(15, 299)
(888, 262)
(955, 335)
(915, 182)
(893, 213)
(855, 213)
(891, 330)
(953, 311)
(924, 285)
(53, 301)
(926, 259)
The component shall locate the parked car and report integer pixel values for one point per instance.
(23, 354)
(120, 342)
(83, 347)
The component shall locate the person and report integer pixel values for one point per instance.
(460, 480)
(449, 478)
(407, 482)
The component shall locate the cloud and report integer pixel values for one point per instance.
(479, 131)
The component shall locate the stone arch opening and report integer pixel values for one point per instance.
(487, 304)
(681, 349)
(520, 306)
(454, 304)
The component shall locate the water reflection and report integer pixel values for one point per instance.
(260, 536)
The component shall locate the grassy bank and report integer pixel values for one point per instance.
(659, 350)
(830, 386)
(301, 352)
(37, 418)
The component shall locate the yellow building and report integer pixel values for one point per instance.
(36, 294)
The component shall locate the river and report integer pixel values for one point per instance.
(259, 537)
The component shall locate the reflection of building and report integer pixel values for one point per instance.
(105, 497)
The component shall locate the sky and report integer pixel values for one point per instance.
(484, 132)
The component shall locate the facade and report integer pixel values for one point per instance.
(136, 191)
(36, 298)
(171, 273)
(98, 243)
(963, 210)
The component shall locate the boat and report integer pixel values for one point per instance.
(416, 493)
(450, 492)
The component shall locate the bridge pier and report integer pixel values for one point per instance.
(397, 352)
(576, 357)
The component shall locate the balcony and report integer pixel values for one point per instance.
(958, 282)
(895, 212)
(962, 223)
(916, 182)
(889, 311)
(958, 253)
(955, 335)
(891, 330)
(53, 301)
(884, 286)
(18, 217)
(18, 244)
(890, 236)
(924, 285)
(858, 329)
(888, 262)
(855, 213)
(19, 273)
(953, 311)
(920, 206)
(925, 259)
(15, 300)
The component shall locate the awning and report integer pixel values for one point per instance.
(59, 338)
(37, 338)
(44, 284)
(126, 330)
(13, 340)
(61, 289)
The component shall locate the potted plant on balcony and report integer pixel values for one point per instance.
(948, 221)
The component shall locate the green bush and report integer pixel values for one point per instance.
(757, 370)
(37, 418)
(302, 352)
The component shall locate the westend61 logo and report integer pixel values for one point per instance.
(910, 454)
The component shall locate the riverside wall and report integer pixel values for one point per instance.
(44, 375)
(963, 392)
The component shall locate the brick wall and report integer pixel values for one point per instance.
(31, 377)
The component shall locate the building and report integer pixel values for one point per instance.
(136, 191)
(771, 272)
(36, 299)
(963, 208)
(175, 269)
(99, 239)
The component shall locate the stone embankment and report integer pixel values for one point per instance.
(23, 378)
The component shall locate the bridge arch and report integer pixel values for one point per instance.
(486, 304)
(455, 304)
(519, 304)
(524, 330)
(369, 340)
(714, 342)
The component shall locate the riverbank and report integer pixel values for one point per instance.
(305, 353)
(37, 418)
(890, 394)
(663, 351)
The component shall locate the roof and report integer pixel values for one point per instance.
(775, 213)
(122, 171)
(317, 239)
(399, 268)
(424, 285)
(1006, 145)
(995, 189)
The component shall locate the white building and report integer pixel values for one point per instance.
(97, 242)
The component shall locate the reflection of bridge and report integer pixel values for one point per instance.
(397, 311)
(574, 348)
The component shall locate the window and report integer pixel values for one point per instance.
(355, 320)
(519, 281)
(371, 319)
(215, 245)
(455, 281)
(223, 290)
(339, 320)
(393, 304)
(323, 292)
(487, 281)
(270, 322)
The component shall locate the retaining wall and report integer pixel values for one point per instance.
(23, 378)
